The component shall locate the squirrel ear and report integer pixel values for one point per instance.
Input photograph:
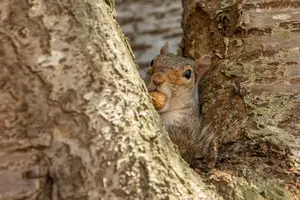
(202, 64)
(165, 49)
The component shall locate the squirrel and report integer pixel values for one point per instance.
(178, 79)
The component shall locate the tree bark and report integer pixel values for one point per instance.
(75, 118)
(252, 93)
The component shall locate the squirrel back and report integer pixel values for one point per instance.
(178, 78)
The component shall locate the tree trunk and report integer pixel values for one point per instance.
(75, 118)
(252, 93)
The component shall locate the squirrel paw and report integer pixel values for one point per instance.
(208, 162)
(205, 164)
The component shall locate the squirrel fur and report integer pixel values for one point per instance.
(178, 78)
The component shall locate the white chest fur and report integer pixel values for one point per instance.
(171, 117)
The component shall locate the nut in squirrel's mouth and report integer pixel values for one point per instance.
(160, 103)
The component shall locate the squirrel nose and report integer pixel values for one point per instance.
(158, 78)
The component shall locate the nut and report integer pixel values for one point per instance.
(158, 99)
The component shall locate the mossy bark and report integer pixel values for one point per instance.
(252, 92)
(75, 118)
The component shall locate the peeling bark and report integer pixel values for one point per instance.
(75, 118)
(252, 93)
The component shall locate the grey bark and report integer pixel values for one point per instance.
(75, 118)
(252, 92)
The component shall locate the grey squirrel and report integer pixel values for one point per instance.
(178, 78)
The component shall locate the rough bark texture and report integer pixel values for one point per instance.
(75, 119)
(148, 24)
(253, 92)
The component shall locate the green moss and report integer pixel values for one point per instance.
(241, 189)
(263, 191)
(274, 191)
(238, 70)
(282, 33)
(248, 193)
(269, 107)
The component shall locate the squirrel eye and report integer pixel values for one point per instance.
(151, 63)
(187, 74)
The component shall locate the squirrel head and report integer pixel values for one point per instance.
(177, 78)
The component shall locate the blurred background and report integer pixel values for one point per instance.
(148, 24)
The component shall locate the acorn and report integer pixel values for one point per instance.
(158, 99)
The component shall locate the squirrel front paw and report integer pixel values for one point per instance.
(207, 162)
